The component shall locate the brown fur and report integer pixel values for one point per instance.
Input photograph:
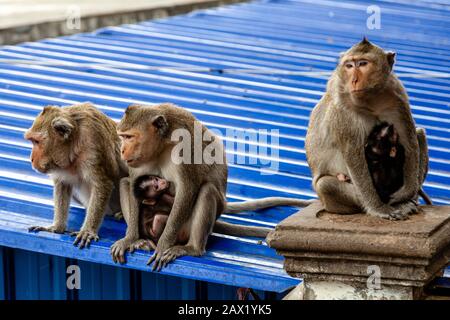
(199, 188)
(79, 148)
(340, 124)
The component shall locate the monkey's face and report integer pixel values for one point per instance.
(157, 185)
(131, 147)
(142, 132)
(149, 188)
(50, 136)
(153, 188)
(364, 69)
(383, 141)
(139, 147)
(357, 71)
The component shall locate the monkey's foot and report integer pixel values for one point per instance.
(408, 208)
(142, 244)
(392, 215)
(84, 238)
(48, 229)
(161, 260)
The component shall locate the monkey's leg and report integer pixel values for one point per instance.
(338, 196)
(203, 219)
(125, 190)
(62, 193)
(98, 200)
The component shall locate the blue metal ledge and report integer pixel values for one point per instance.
(260, 65)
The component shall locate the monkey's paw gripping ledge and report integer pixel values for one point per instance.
(351, 250)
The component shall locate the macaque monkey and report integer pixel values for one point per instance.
(155, 205)
(385, 158)
(199, 188)
(78, 147)
(362, 92)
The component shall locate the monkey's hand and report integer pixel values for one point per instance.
(119, 248)
(142, 244)
(389, 213)
(52, 228)
(402, 196)
(167, 256)
(84, 238)
(158, 258)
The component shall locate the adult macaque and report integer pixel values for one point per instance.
(385, 158)
(78, 147)
(199, 188)
(362, 92)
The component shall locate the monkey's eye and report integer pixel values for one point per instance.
(34, 141)
(126, 136)
(349, 65)
(363, 63)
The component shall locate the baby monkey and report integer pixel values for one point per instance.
(385, 157)
(155, 203)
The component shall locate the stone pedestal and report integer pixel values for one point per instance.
(362, 257)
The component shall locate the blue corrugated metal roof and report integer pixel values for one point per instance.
(241, 66)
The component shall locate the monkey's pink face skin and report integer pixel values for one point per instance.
(160, 184)
(139, 146)
(131, 147)
(37, 157)
(357, 70)
(154, 186)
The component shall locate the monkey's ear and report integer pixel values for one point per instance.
(46, 109)
(131, 108)
(161, 124)
(365, 41)
(390, 55)
(63, 127)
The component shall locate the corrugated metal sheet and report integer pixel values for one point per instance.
(240, 66)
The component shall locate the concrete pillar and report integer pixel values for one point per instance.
(363, 257)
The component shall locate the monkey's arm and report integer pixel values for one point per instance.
(411, 176)
(180, 213)
(354, 157)
(98, 201)
(167, 199)
(185, 197)
(62, 193)
(130, 209)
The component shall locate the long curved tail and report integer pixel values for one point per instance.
(251, 205)
(240, 230)
(425, 197)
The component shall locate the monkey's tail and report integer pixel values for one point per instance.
(251, 205)
(425, 197)
(240, 230)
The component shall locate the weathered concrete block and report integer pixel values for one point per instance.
(343, 250)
